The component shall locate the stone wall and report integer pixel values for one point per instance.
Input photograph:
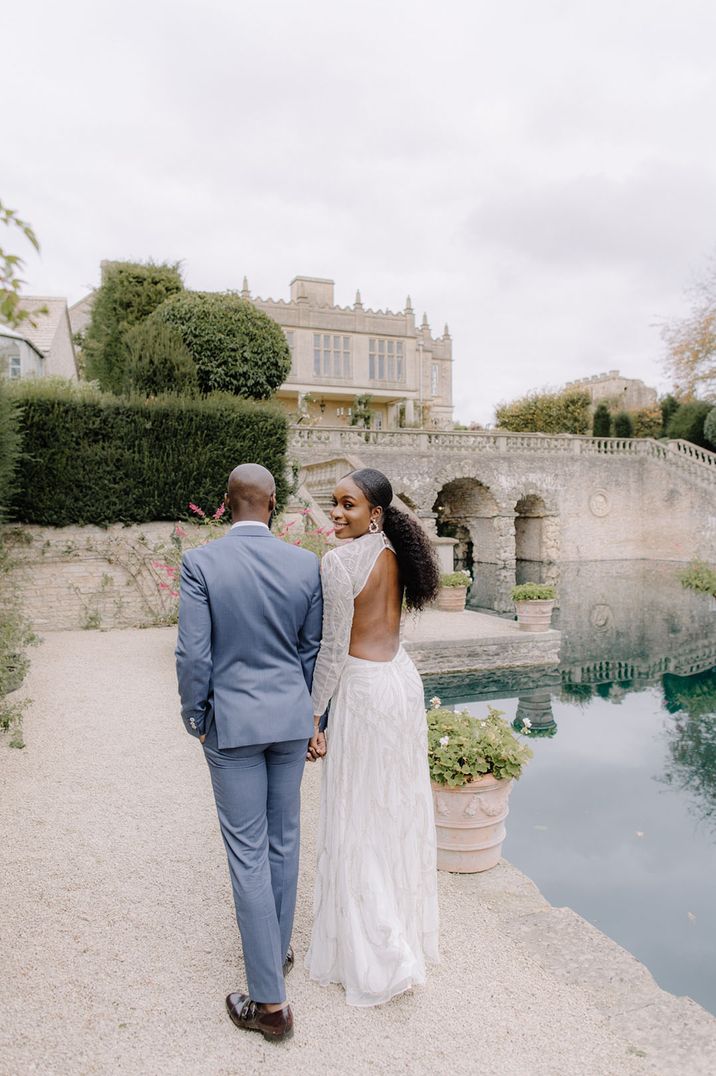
(571, 498)
(90, 577)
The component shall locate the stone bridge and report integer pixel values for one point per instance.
(512, 497)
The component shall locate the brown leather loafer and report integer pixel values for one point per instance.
(288, 962)
(245, 1013)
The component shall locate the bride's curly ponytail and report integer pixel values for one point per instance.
(419, 572)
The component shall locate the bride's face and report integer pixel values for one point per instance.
(351, 513)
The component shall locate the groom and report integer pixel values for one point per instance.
(249, 629)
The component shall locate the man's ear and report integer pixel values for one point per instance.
(272, 503)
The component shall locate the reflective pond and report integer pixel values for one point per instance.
(615, 816)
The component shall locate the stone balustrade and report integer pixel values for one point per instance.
(344, 439)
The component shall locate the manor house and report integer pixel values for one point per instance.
(342, 354)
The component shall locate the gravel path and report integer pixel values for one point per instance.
(117, 939)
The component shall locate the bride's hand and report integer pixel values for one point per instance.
(316, 745)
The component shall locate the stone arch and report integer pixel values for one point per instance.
(467, 510)
(536, 527)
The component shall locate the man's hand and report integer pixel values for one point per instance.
(202, 738)
(316, 745)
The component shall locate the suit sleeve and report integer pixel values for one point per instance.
(309, 638)
(337, 623)
(193, 650)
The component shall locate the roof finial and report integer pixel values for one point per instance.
(358, 302)
(446, 332)
(408, 306)
(425, 324)
(245, 293)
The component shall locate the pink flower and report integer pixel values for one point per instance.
(219, 511)
(179, 531)
(289, 525)
(197, 510)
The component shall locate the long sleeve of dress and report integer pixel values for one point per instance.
(337, 623)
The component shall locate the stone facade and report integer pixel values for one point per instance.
(619, 393)
(341, 352)
(533, 497)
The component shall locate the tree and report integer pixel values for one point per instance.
(601, 421)
(236, 348)
(623, 425)
(546, 412)
(687, 424)
(129, 293)
(158, 362)
(669, 406)
(710, 428)
(691, 341)
(11, 265)
(647, 421)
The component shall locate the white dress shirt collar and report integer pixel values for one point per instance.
(249, 523)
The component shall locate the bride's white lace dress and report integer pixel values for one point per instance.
(375, 904)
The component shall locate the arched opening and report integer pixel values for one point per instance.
(466, 510)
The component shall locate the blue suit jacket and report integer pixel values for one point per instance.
(250, 616)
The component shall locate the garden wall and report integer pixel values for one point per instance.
(94, 577)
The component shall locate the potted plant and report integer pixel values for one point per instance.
(453, 590)
(534, 603)
(473, 762)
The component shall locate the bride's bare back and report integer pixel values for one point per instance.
(375, 633)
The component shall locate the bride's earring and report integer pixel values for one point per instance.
(373, 527)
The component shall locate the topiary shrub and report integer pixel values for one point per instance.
(687, 423)
(546, 412)
(90, 457)
(601, 421)
(236, 348)
(623, 425)
(158, 362)
(710, 428)
(129, 292)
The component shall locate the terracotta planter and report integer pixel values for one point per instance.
(451, 599)
(535, 615)
(470, 824)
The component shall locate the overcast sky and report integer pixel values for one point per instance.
(540, 174)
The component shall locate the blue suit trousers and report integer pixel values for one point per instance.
(257, 789)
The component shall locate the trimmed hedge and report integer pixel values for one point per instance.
(546, 412)
(89, 457)
(9, 444)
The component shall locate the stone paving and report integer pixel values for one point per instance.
(117, 939)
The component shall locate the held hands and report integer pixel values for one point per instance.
(317, 743)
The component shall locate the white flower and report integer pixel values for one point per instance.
(444, 741)
(435, 702)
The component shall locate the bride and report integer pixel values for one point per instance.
(375, 903)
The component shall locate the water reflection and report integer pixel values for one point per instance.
(616, 814)
(691, 739)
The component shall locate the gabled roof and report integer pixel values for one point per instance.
(13, 334)
(43, 332)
